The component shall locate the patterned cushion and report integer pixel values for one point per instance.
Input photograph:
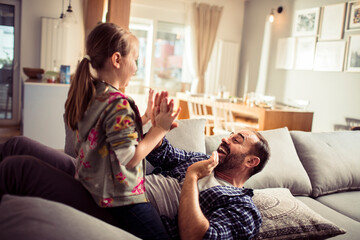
(285, 217)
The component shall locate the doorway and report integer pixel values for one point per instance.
(9, 63)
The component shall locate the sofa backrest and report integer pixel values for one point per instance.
(331, 159)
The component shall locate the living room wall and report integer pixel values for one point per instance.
(332, 95)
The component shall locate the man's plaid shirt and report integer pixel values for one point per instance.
(230, 210)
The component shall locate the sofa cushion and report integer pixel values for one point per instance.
(212, 142)
(346, 203)
(284, 168)
(351, 226)
(189, 135)
(331, 159)
(285, 217)
(36, 218)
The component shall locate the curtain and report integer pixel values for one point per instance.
(206, 22)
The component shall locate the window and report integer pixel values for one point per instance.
(160, 58)
(9, 70)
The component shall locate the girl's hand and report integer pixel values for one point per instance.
(165, 116)
(150, 108)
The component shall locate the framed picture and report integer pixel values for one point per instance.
(353, 58)
(306, 22)
(304, 53)
(353, 16)
(329, 56)
(332, 22)
(285, 53)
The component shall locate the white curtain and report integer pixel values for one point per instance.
(206, 22)
(202, 24)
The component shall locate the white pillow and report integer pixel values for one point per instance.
(331, 159)
(284, 169)
(190, 135)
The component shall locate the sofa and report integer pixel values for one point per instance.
(308, 190)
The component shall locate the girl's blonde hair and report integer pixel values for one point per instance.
(103, 41)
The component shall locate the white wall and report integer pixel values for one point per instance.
(332, 95)
(31, 13)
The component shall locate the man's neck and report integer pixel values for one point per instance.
(237, 181)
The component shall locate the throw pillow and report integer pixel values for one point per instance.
(212, 142)
(331, 159)
(284, 169)
(285, 217)
(190, 135)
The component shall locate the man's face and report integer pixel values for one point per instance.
(234, 149)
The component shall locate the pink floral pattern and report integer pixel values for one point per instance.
(93, 137)
(86, 164)
(140, 187)
(121, 178)
(123, 105)
(106, 202)
(122, 122)
(115, 95)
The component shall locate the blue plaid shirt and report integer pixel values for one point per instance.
(230, 210)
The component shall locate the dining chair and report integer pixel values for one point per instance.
(198, 109)
(224, 120)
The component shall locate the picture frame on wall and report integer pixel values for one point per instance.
(353, 54)
(285, 53)
(306, 22)
(304, 53)
(332, 22)
(329, 56)
(353, 16)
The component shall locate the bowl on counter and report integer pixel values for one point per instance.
(35, 73)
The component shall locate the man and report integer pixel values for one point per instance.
(213, 204)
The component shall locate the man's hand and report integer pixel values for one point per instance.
(203, 168)
(192, 222)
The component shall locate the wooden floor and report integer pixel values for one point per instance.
(8, 132)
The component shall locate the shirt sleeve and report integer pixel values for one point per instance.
(168, 157)
(120, 125)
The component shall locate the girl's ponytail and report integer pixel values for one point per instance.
(81, 93)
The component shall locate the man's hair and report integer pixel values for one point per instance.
(260, 149)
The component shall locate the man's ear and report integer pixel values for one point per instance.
(116, 59)
(252, 161)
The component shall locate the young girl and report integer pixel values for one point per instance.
(110, 144)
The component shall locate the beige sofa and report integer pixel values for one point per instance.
(308, 190)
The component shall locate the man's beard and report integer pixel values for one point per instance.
(231, 161)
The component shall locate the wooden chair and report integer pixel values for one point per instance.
(224, 121)
(198, 109)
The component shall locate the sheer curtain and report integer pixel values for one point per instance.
(206, 22)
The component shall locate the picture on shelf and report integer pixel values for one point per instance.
(353, 62)
(332, 22)
(285, 53)
(353, 15)
(305, 51)
(329, 56)
(306, 22)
